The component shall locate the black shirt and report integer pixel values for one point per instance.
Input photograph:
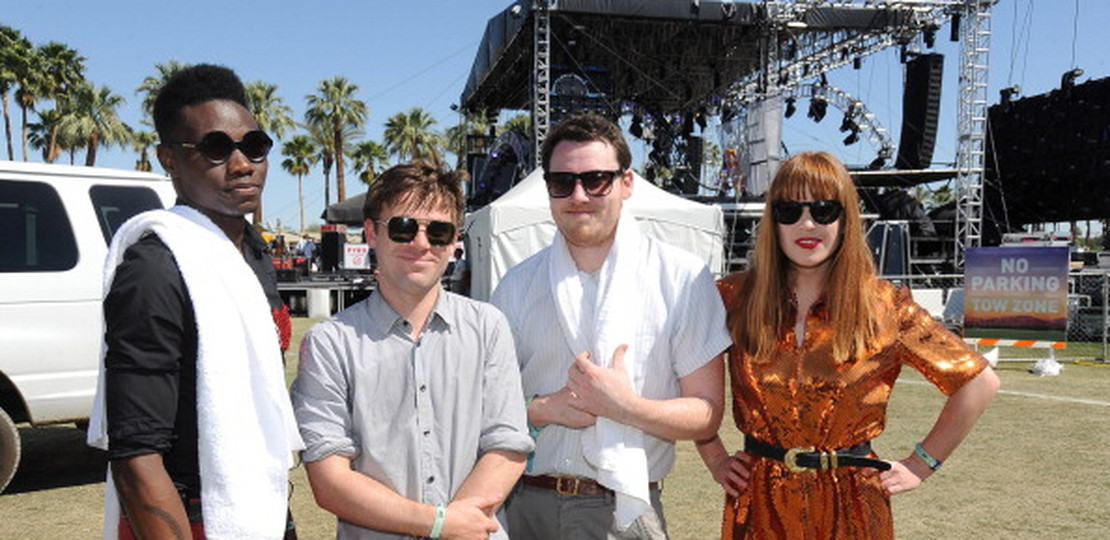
(150, 364)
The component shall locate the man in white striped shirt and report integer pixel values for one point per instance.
(620, 340)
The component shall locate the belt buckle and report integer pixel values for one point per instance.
(791, 459)
(567, 492)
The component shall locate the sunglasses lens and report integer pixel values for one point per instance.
(255, 145)
(559, 184)
(825, 212)
(597, 183)
(786, 213)
(216, 146)
(403, 229)
(440, 233)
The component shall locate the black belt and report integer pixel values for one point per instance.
(572, 486)
(808, 459)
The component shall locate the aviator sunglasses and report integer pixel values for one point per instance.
(789, 212)
(403, 229)
(217, 146)
(560, 185)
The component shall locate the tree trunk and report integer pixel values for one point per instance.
(300, 201)
(23, 134)
(90, 154)
(340, 189)
(8, 129)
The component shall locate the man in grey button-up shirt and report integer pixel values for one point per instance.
(410, 402)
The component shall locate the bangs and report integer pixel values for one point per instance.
(808, 175)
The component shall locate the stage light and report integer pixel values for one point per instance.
(852, 138)
(877, 163)
(700, 119)
(848, 124)
(1068, 79)
(930, 36)
(637, 127)
(1009, 93)
(954, 35)
(857, 63)
(790, 107)
(817, 108)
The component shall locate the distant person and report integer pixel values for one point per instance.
(191, 403)
(409, 401)
(620, 340)
(460, 274)
(308, 251)
(818, 343)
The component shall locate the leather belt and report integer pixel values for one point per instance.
(573, 486)
(808, 459)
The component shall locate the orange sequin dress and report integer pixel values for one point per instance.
(802, 398)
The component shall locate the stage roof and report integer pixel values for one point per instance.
(665, 55)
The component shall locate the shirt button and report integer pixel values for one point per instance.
(427, 432)
(423, 387)
(431, 479)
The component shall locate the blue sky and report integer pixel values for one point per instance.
(419, 52)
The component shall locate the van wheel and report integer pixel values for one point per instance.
(9, 449)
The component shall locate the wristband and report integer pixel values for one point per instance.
(533, 431)
(437, 525)
(929, 460)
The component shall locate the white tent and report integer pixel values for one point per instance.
(519, 224)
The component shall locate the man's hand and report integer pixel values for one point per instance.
(556, 409)
(602, 391)
(470, 519)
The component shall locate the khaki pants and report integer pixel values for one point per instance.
(536, 513)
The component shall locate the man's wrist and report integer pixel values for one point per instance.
(533, 430)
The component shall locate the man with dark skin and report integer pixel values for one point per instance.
(159, 333)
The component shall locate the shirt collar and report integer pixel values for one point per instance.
(385, 319)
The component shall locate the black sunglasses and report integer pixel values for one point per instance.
(217, 146)
(403, 229)
(789, 212)
(560, 185)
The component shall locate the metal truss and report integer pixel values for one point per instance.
(541, 73)
(855, 110)
(975, 34)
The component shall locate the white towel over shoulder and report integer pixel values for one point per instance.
(617, 450)
(245, 421)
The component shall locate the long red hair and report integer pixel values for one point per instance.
(852, 315)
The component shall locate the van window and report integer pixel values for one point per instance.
(35, 234)
(116, 204)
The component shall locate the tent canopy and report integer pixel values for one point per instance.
(347, 211)
(518, 224)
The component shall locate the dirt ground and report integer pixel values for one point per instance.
(1034, 468)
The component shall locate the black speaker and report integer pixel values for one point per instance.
(920, 111)
(331, 249)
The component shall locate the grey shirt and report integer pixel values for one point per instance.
(415, 415)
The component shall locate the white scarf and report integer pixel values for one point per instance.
(245, 422)
(617, 450)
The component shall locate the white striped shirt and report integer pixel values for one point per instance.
(682, 307)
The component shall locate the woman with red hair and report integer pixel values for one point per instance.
(818, 343)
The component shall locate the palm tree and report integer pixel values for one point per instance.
(272, 116)
(369, 156)
(62, 77)
(334, 108)
(152, 84)
(271, 113)
(14, 49)
(299, 154)
(94, 119)
(409, 135)
(456, 137)
(29, 76)
(521, 123)
(142, 141)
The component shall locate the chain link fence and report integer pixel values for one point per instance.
(1088, 312)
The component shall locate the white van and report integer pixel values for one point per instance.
(55, 225)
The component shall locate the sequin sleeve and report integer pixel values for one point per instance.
(941, 356)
